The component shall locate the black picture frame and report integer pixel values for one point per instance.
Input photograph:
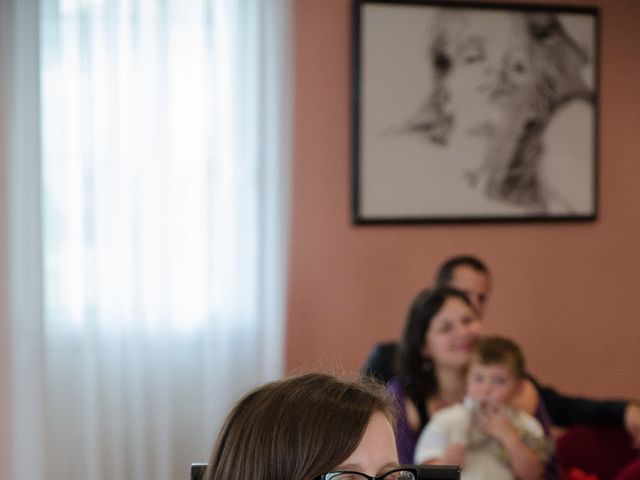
(474, 112)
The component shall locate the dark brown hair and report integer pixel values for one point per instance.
(421, 382)
(295, 429)
(496, 350)
(444, 276)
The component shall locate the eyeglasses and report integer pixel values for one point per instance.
(400, 474)
(404, 472)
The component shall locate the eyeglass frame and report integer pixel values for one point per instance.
(325, 476)
(420, 472)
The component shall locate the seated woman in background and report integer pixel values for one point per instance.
(434, 354)
(313, 426)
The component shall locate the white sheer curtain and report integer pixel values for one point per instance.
(163, 191)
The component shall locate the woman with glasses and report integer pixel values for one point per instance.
(310, 427)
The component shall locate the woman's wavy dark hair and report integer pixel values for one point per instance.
(295, 429)
(421, 382)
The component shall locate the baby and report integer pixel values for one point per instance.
(486, 434)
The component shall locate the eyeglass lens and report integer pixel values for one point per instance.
(393, 475)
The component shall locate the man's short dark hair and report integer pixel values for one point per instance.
(445, 272)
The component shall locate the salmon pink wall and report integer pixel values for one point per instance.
(569, 293)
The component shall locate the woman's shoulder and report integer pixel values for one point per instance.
(397, 385)
(528, 398)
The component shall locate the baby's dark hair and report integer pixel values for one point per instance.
(495, 350)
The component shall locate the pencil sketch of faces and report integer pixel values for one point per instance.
(501, 76)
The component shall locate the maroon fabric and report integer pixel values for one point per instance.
(597, 449)
(631, 471)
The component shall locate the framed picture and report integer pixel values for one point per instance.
(474, 112)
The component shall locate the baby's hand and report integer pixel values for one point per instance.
(454, 454)
(495, 422)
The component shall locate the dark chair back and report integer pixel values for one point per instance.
(197, 471)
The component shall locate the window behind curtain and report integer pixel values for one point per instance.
(164, 199)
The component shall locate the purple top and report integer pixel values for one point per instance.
(406, 438)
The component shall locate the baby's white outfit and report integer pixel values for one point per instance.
(485, 458)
